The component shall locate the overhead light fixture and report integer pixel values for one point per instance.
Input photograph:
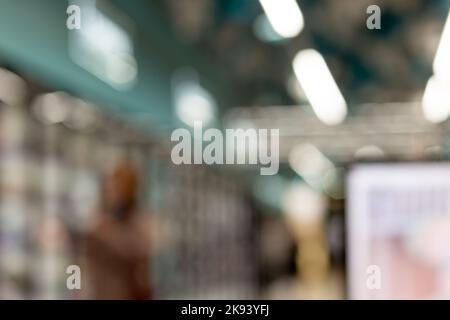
(441, 65)
(285, 16)
(319, 86)
(309, 163)
(295, 90)
(192, 102)
(103, 46)
(332, 183)
(436, 100)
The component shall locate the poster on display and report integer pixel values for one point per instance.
(398, 230)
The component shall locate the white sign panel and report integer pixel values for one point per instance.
(398, 231)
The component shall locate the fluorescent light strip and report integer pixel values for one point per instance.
(285, 16)
(319, 86)
(441, 65)
(436, 100)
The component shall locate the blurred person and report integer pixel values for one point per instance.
(118, 246)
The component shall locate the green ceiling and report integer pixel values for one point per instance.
(34, 40)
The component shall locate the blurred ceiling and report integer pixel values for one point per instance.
(370, 66)
(43, 56)
(217, 38)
